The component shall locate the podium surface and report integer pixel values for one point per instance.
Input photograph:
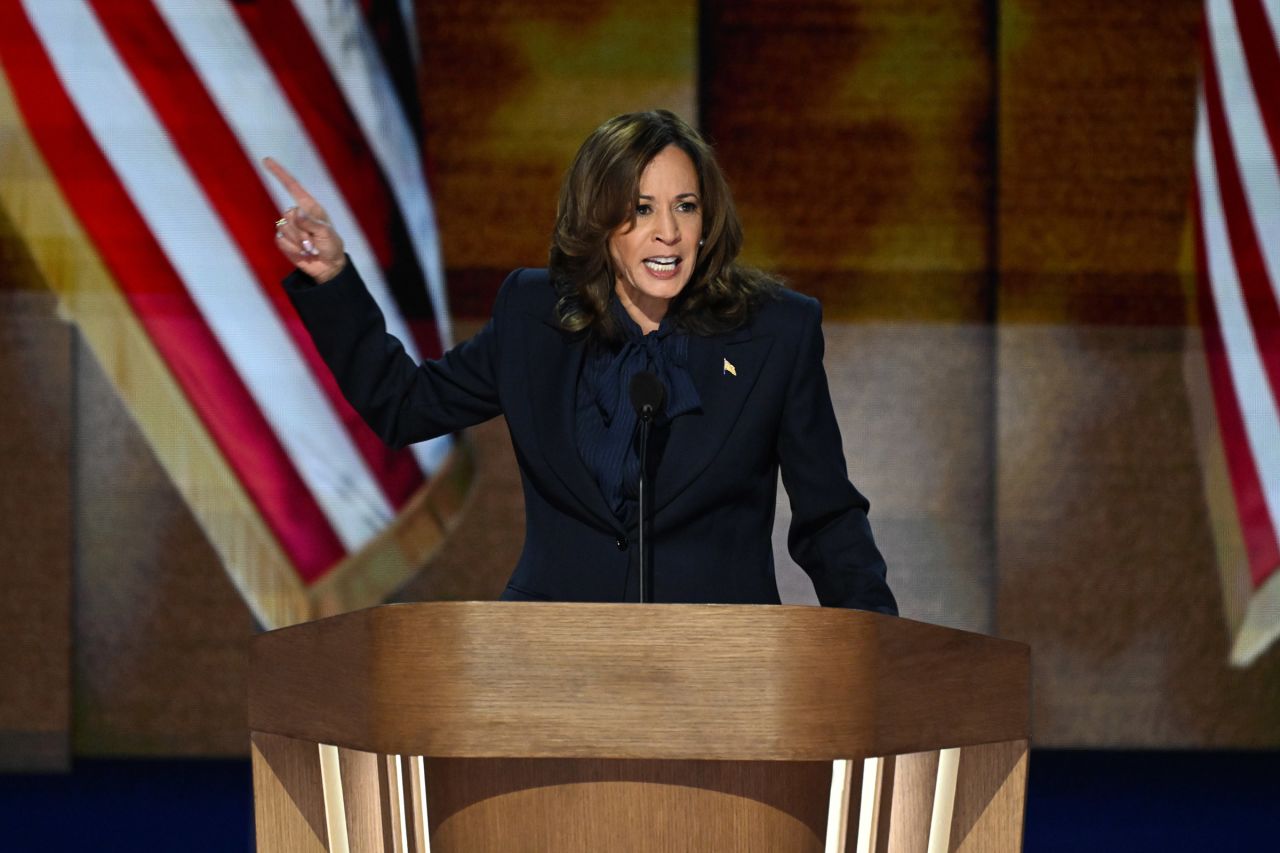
(530, 726)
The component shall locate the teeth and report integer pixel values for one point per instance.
(661, 264)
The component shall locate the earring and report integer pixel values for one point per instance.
(701, 243)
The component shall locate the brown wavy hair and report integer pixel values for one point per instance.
(599, 196)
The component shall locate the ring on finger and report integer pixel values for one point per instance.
(281, 222)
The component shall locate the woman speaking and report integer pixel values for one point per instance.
(643, 281)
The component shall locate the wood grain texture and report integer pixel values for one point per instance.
(470, 679)
(362, 794)
(391, 803)
(914, 778)
(882, 806)
(563, 726)
(991, 789)
(415, 803)
(589, 805)
(288, 798)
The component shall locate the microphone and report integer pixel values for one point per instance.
(648, 396)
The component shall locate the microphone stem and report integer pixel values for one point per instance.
(646, 579)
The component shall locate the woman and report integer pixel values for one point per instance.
(643, 277)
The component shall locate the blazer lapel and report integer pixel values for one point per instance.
(697, 438)
(553, 397)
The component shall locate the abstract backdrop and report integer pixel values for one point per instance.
(994, 201)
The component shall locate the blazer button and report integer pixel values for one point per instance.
(621, 543)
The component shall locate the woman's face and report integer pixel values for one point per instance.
(655, 256)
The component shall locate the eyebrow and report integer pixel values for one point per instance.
(681, 195)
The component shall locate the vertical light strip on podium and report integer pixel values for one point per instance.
(405, 827)
(869, 806)
(335, 809)
(944, 800)
(398, 802)
(838, 808)
(418, 790)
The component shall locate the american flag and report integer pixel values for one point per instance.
(1237, 200)
(132, 132)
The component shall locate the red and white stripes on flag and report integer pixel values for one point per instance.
(1237, 146)
(150, 117)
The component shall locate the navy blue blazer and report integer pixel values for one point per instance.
(714, 487)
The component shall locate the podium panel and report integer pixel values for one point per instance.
(578, 727)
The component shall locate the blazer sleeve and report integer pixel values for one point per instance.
(401, 400)
(830, 537)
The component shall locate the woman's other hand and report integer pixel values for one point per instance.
(303, 232)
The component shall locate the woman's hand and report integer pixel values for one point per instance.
(303, 232)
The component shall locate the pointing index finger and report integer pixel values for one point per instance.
(300, 196)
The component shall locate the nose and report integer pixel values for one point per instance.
(667, 228)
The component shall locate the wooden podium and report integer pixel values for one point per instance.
(471, 726)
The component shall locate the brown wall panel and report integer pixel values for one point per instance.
(1096, 106)
(35, 519)
(162, 636)
(1106, 560)
(858, 137)
(1105, 556)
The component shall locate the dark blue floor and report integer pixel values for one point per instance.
(133, 805)
(1093, 801)
(1077, 802)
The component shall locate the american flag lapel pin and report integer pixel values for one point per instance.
(729, 369)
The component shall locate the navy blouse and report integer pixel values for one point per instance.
(606, 423)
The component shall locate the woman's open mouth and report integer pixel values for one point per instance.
(662, 267)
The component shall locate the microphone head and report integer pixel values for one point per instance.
(648, 394)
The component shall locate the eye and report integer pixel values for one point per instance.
(643, 209)
(687, 207)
